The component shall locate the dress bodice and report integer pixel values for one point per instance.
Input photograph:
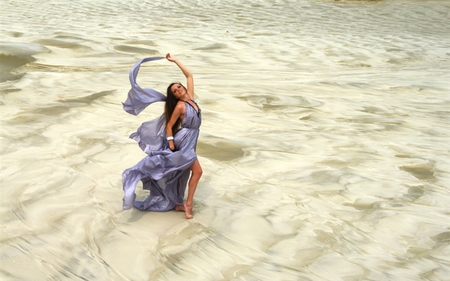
(192, 118)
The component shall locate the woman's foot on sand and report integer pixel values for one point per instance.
(188, 210)
(179, 208)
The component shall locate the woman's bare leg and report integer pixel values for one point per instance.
(197, 172)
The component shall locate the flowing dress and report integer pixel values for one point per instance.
(164, 172)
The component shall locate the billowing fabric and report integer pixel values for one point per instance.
(138, 98)
(164, 172)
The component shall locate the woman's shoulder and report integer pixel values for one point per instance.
(181, 104)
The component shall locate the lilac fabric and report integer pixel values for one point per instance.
(139, 98)
(164, 172)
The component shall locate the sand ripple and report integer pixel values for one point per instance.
(325, 140)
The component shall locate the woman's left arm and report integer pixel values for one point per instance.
(187, 74)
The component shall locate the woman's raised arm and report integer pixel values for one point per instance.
(187, 73)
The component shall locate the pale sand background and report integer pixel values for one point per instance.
(325, 141)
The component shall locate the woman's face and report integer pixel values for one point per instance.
(178, 90)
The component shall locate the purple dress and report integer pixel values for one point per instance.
(163, 172)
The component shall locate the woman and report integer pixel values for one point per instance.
(170, 143)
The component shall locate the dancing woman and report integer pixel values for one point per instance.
(170, 143)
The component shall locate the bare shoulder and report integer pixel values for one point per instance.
(180, 106)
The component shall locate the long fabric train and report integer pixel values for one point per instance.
(163, 172)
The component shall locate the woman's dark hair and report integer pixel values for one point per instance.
(169, 107)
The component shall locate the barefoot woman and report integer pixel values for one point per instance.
(180, 104)
(170, 143)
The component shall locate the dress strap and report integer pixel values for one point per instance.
(198, 108)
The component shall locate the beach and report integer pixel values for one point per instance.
(325, 139)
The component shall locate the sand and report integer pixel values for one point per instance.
(325, 140)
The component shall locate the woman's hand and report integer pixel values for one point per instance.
(170, 58)
(171, 145)
(187, 74)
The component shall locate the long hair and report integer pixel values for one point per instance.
(169, 107)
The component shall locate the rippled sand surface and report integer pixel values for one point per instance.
(325, 143)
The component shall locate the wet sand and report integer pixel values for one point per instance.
(325, 140)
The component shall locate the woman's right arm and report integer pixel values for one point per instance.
(177, 112)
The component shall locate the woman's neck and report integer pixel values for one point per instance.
(184, 98)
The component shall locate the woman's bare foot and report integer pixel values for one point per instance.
(188, 210)
(179, 208)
